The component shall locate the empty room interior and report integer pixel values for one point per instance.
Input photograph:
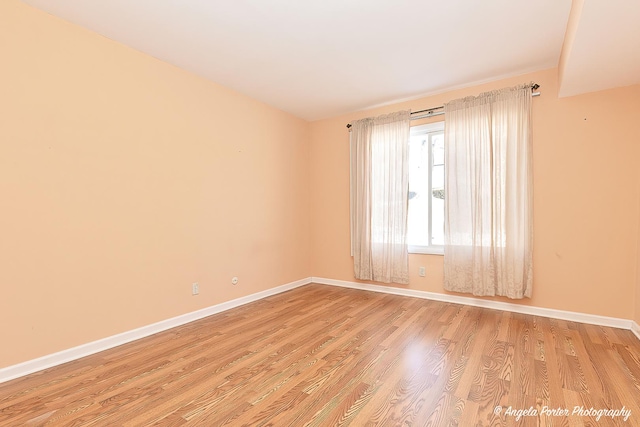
(319, 213)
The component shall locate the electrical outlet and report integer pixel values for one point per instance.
(421, 272)
(195, 289)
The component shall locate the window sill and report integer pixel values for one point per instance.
(426, 250)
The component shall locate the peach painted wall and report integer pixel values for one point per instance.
(123, 180)
(637, 299)
(586, 172)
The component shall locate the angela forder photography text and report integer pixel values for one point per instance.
(579, 411)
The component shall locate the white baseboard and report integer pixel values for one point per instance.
(44, 362)
(635, 328)
(496, 305)
(48, 361)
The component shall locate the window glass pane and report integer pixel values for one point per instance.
(418, 222)
(438, 160)
(426, 186)
(437, 190)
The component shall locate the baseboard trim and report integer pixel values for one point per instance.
(64, 356)
(68, 355)
(496, 305)
(635, 328)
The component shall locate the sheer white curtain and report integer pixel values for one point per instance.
(488, 194)
(379, 191)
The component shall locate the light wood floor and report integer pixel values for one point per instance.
(324, 356)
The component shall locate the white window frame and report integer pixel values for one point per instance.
(422, 130)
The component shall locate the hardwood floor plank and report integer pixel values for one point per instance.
(321, 355)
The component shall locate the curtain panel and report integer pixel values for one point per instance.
(379, 197)
(489, 194)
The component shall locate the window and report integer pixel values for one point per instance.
(426, 189)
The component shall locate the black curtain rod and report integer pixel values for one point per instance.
(430, 112)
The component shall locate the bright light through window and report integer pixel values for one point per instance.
(426, 189)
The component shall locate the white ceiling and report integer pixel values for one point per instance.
(317, 59)
(605, 51)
